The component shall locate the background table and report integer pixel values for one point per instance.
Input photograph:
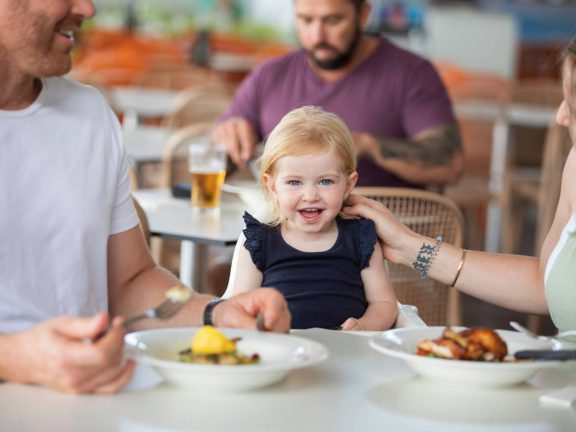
(504, 117)
(175, 218)
(356, 389)
(140, 102)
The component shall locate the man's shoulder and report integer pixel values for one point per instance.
(292, 59)
(387, 50)
(64, 86)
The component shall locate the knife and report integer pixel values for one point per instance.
(566, 354)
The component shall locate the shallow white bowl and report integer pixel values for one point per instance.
(279, 354)
(402, 343)
(249, 191)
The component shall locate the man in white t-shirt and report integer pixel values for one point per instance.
(71, 251)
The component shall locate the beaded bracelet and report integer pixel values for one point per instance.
(426, 256)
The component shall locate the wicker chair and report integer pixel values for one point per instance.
(432, 215)
(174, 170)
(175, 158)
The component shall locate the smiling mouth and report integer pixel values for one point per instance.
(310, 212)
(68, 34)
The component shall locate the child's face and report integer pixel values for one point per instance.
(310, 190)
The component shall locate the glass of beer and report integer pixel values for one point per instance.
(207, 166)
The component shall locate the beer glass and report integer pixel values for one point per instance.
(207, 166)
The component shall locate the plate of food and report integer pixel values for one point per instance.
(223, 360)
(479, 357)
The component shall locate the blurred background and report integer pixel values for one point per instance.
(196, 52)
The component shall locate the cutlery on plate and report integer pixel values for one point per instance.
(561, 354)
(260, 326)
(566, 336)
(176, 299)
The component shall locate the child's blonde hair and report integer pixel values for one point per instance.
(306, 131)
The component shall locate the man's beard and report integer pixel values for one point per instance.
(341, 60)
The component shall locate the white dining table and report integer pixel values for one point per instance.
(136, 103)
(171, 217)
(145, 143)
(356, 389)
(503, 118)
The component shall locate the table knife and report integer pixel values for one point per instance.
(566, 354)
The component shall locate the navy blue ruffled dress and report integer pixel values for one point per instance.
(322, 289)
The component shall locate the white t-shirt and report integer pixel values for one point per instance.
(64, 190)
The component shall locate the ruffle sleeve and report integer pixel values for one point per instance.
(367, 240)
(254, 233)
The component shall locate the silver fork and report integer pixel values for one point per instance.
(167, 309)
(176, 298)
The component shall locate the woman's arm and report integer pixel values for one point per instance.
(511, 281)
(382, 305)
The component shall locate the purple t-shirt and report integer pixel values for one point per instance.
(393, 94)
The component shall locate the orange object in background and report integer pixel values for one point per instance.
(118, 58)
(113, 58)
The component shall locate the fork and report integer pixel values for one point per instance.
(176, 298)
(167, 309)
(565, 336)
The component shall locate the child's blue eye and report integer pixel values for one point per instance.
(326, 182)
(293, 182)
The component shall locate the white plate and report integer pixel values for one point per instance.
(249, 191)
(279, 354)
(402, 343)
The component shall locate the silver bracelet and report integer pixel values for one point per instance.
(426, 256)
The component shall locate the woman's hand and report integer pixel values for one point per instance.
(59, 354)
(399, 244)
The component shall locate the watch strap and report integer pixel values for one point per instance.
(209, 309)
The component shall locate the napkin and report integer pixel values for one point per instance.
(565, 398)
(145, 377)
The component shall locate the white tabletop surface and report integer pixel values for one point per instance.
(356, 389)
(175, 218)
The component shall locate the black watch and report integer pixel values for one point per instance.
(209, 309)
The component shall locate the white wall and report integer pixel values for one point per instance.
(473, 39)
(279, 13)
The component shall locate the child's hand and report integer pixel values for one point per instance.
(352, 324)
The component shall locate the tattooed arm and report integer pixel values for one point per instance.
(434, 156)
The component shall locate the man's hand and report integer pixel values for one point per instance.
(242, 310)
(366, 144)
(59, 354)
(238, 135)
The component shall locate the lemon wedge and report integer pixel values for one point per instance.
(208, 341)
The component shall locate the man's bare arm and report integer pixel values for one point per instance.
(434, 156)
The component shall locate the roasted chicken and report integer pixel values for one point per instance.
(476, 344)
